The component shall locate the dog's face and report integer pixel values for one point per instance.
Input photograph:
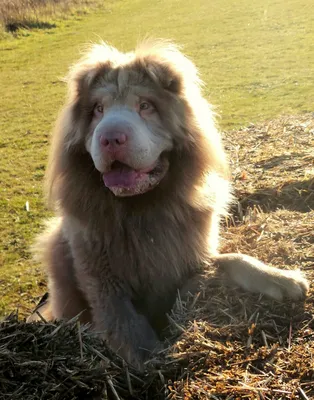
(127, 140)
(130, 111)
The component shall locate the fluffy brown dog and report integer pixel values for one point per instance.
(140, 180)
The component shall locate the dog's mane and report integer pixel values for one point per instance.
(75, 186)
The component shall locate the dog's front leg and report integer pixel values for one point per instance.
(255, 276)
(126, 332)
(114, 317)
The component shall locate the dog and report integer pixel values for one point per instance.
(139, 181)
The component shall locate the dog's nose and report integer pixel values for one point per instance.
(113, 139)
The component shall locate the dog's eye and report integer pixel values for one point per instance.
(99, 109)
(146, 106)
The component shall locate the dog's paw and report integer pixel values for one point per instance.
(133, 340)
(138, 358)
(255, 276)
(286, 283)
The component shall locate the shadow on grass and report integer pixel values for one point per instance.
(277, 160)
(293, 196)
(15, 26)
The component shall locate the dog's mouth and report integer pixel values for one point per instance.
(124, 181)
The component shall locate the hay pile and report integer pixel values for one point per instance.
(224, 343)
(60, 361)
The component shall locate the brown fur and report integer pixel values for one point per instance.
(121, 260)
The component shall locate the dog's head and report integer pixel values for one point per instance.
(131, 111)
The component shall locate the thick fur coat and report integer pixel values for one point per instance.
(139, 180)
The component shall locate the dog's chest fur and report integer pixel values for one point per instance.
(150, 257)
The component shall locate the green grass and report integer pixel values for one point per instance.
(255, 57)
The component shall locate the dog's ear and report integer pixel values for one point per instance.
(97, 62)
(82, 77)
(163, 74)
(164, 63)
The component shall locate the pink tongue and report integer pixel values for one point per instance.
(121, 177)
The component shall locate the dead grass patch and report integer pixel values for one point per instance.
(34, 14)
(273, 165)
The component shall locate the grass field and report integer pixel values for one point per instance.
(255, 58)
